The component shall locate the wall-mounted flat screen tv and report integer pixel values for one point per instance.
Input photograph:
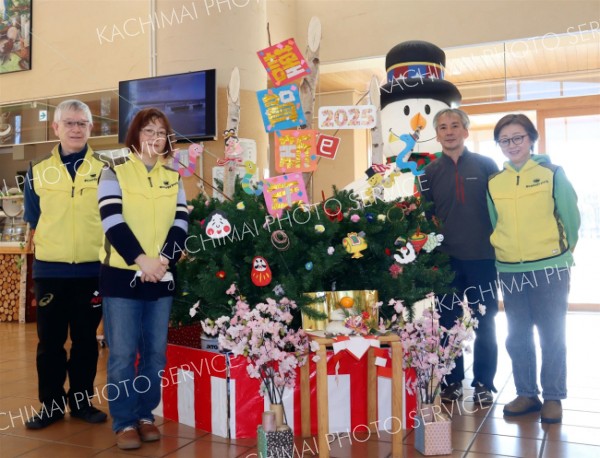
(188, 100)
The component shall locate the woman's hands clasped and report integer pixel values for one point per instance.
(153, 269)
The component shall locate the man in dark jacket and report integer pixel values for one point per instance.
(456, 185)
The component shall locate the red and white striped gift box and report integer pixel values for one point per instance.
(198, 387)
(347, 394)
(194, 389)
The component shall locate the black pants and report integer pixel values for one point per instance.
(475, 280)
(67, 306)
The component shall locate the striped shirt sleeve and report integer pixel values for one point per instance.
(174, 244)
(118, 233)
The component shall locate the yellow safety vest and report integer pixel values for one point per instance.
(69, 229)
(149, 205)
(528, 228)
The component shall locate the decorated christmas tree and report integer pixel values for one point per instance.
(370, 237)
(340, 243)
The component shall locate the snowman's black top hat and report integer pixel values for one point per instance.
(415, 69)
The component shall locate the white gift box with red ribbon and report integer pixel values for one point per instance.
(200, 387)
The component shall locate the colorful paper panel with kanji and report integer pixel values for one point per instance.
(280, 108)
(283, 62)
(295, 151)
(284, 191)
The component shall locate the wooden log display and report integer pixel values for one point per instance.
(10, 286)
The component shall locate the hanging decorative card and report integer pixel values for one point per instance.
(218, 174)
(280, 108)
(284, 62)
(248, 149)
(327, 146)
(184, 160)
(295, 151)
(347, 117)
(283, 191)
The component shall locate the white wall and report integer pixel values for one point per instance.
(355, 29)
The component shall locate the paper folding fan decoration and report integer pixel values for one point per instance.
(280, 108)
(295, 151)
(284, 191)
(284, 62)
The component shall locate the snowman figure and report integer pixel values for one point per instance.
(415, 91)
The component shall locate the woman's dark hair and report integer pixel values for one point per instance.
(521, 120)
(141, 120)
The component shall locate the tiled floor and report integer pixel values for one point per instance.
(476, 433)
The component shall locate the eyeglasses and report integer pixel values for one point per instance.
(517, 140)
(149, 132)
(74, 124)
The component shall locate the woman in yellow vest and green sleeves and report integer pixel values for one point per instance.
(145, 218)
(533, 208)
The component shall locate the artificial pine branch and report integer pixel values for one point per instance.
(306, 265)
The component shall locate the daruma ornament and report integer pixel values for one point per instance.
(261, 272)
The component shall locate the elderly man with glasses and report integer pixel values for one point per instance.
(61, 207)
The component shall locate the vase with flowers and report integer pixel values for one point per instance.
(263, 334)
(431, 350)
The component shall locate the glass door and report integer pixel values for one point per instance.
(573, 142)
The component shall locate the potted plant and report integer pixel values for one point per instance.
(431, 350)
(274, 350)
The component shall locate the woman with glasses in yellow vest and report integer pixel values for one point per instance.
(145, 221)
(533, 208)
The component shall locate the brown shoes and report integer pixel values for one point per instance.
(131, 437)
(128, 438)
(522, 405)
(551, 412)
(148, 432)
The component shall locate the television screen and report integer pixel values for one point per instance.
(188, 100)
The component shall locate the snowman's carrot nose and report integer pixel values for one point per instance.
(418, 122)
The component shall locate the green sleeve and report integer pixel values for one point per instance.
(565, 199)
(492, 210)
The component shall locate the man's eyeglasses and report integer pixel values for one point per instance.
(74, 124)
(517, 140)
(149, 132)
